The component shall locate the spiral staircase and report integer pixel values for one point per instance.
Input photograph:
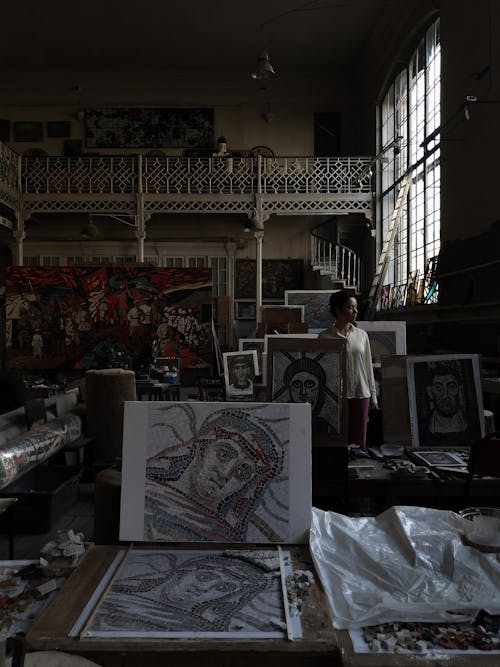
(333, 259)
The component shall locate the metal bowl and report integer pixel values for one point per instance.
(471, 513)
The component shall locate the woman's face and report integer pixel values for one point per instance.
(349, 310)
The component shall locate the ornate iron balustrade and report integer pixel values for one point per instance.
(9, 177)
(229, 184)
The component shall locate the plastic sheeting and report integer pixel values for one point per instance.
(26, 451)
(407, 564)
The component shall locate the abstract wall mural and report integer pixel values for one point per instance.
(160, 593)
(84, 317)
(212, 472)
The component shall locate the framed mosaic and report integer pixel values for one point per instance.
(445, 399)
(148, 593)
(386, 338)
(256, 344)
(311, 371)
(211, 472)
(125, 127)
(277, 275)
(80, 317)
(316, 304)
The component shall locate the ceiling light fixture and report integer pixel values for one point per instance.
(263, 69)
(90, 230)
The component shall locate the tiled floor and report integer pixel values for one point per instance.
(79, 517)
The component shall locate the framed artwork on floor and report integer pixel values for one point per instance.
(445, 397)
(302, 370)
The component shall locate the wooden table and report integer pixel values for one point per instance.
(50, 631)
(466, 659)
(377, 481)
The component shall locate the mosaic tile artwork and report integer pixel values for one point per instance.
(159, 593)
(304, 370)
(85, 317)
(445, 398)
(212, 472)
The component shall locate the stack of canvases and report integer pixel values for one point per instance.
(202, 472)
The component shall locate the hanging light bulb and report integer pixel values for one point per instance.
(263, 69)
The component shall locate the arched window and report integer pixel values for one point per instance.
(410, 117)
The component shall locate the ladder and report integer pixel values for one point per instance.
(383, 262)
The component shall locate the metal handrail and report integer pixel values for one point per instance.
(341, 263)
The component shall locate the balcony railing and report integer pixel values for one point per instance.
(188, 175)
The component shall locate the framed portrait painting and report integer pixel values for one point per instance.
(240, 371)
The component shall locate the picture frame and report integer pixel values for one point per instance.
(445, 400)
(307, 370)
(279, 314)
(439, 458)
(25, 131)
(59, 129)
(277, 275)
(138, 127)
(386, 338)
(245, 310)
(257, 344)
(240, 371)
(316, 304)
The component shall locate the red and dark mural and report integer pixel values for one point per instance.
(81, 317)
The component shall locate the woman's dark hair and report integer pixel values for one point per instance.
(338, 300)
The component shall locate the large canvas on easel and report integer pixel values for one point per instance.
(308, 370)
(216, 472)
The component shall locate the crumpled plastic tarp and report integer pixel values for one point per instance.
(407, 564)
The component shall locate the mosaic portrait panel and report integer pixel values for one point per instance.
(307, 370)
(445, 399)
(186, 593)
(212, 472)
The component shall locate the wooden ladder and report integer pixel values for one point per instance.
(383, 262)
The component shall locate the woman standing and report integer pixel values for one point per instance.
(360, 383)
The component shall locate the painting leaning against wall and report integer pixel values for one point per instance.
(84, 317)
